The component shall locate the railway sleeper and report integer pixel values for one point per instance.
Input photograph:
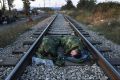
(82, 31)
(114, 61)
(37, 33)
(39, 29)
(85, 33)
(104, 49)
(20, 50)
(95, 42)
(58, 30)
(9, 60)
(79, 28)
(54, 35)
(87, 36)
(35, 36)
(59, 33)
(28, 42)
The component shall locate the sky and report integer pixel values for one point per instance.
(49, 3)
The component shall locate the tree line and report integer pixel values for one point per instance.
(26, 4)
(90, 5)
(11, 15)
(4, 2)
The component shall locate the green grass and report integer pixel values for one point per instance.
(111, 32)
(81, 16)
(10, 34)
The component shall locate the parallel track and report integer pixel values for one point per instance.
(26, 59)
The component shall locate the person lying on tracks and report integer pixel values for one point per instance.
(72, 45)
(74, 49)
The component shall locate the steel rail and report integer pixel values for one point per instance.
(107, 67)
(26, 59)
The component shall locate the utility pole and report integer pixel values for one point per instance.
(49, 3)
(39, 5)
(44, 4)
(55, 4)
(3, 8)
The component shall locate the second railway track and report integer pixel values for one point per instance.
(63, 26)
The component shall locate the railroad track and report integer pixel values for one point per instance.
(62, 29)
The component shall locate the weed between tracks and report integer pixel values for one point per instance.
(10, 34)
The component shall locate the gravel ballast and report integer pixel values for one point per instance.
(40, 72)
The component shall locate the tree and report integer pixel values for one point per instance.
(27, 7)
(81, 4)
(69, 5)
(103, 7)
(91, 4)
(10, 4)
(1, 3)
(3, 6)
(86, 4)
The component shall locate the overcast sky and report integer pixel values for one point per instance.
(49, 3)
